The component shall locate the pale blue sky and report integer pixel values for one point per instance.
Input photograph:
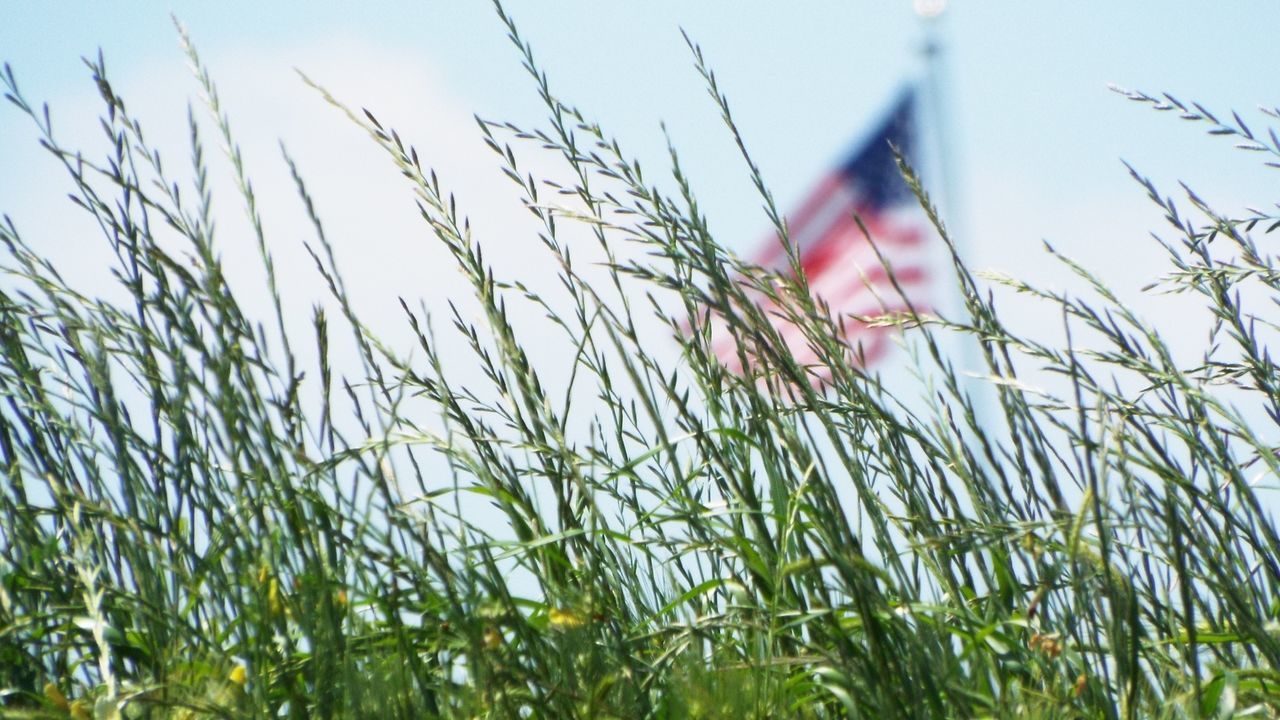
(1036, 136)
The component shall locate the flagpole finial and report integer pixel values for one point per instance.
(929, 9)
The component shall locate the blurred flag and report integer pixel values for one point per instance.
(840, 263)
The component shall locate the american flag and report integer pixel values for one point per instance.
(839, 262)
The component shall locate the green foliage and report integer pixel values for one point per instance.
(197, 520)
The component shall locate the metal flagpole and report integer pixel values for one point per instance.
(948, 200)
(930, 13)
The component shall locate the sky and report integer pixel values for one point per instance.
(1035, 138)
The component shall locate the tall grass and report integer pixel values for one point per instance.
(202, 519)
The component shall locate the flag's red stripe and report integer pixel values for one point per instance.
(853, 330)
(872, 277)
(838, 259)
(838, 221)
(878, 277)
(845, 228)
(796, 223)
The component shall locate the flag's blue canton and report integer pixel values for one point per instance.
(872, 169)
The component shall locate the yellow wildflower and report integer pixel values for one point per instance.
(55, 696)
(492, 638)
(273, 597)
(564, 619)
(238, 675)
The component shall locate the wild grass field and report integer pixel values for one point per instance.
(201, 516)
